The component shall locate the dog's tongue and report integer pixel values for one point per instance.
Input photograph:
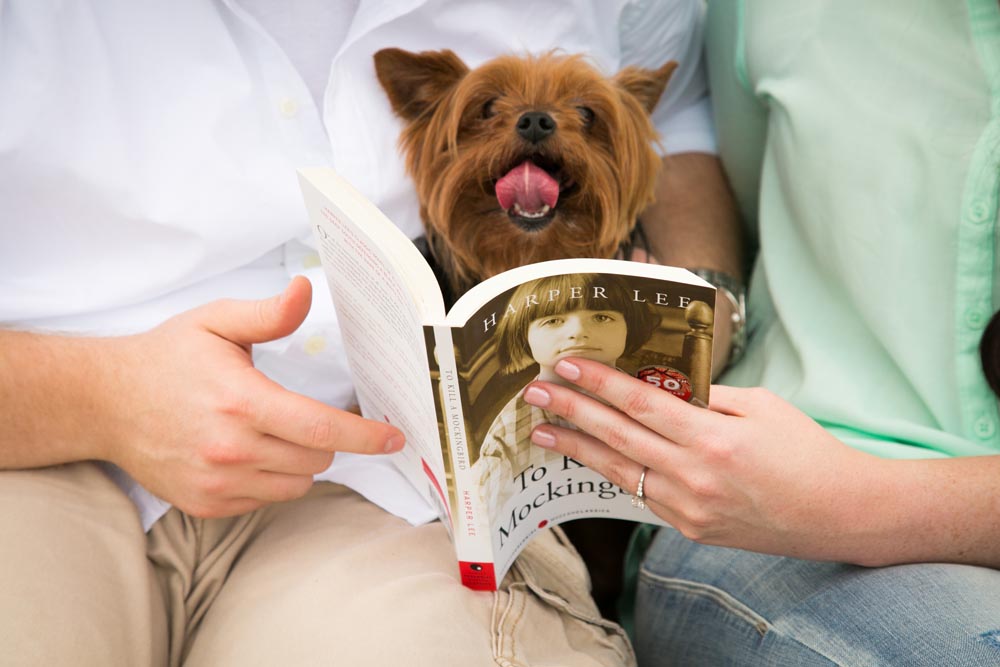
(528, 186)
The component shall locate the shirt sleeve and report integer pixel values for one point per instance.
(651, 32)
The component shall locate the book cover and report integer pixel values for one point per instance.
(452, 380)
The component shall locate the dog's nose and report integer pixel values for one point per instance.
(535, 126)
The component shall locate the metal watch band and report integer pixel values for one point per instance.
(734, 290)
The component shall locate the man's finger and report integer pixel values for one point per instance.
(276, 487)
(277, 455)
(246, 322)
(306, 422)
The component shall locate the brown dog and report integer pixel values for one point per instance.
(523, 159)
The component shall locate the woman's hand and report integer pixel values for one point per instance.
(751, 471)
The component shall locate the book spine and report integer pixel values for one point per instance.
(471, 523)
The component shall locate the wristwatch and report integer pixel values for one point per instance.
(734, 290)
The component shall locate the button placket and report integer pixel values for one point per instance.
(976, 317)
(979, 212)
(984, 427)
(288, 107)
(314, 345)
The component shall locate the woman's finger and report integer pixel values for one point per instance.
(607, 425)
(617, 467)
(660, 492)
(731, 401)
(656, 409)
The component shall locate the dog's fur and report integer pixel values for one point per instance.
(466, 130)
(461, 136)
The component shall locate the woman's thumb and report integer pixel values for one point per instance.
(249, 322)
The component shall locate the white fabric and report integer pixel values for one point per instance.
(148, 155)
(310, 32)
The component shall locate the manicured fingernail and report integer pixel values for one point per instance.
(394, 444)
(568, 370)
(542, 437)
(536, 396)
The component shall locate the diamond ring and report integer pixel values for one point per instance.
(638, 500)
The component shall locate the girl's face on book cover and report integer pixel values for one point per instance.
(592, 334)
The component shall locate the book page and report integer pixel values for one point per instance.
(649, 326)
(448, 380)
(470, 302)
(380, 306)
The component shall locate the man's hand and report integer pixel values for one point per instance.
(182, 409)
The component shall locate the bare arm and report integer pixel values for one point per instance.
(936, 510)
(51, 394)
(694, 223)
(753, 471)
(180, 408)
(756, 473)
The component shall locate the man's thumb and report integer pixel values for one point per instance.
(248, 322)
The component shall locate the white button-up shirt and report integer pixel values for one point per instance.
(148, 154)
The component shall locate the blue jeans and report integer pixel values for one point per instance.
(701, 606)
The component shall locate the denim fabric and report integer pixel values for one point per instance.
(710, 606)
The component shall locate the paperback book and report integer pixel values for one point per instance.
(452, 379)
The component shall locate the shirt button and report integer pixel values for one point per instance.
(984, 428)
(314, 345)
(979, 212)
(288, 107)
(976, 318)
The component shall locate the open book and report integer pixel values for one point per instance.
(452, 381)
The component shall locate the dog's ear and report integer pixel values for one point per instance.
(646, 85)
(416, 82)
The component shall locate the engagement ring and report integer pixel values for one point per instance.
(638, 500)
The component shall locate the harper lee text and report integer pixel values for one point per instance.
(598, 292)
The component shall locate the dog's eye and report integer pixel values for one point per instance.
(488, 110)
(586, 114)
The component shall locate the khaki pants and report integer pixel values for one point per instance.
(329, 579)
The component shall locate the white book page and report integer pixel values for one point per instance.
(381, 295)
(372, 229)
(471, 301)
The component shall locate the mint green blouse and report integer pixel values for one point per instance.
(863, 143)
(862, 140)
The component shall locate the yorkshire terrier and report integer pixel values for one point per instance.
(526, 159)
(523, 159)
